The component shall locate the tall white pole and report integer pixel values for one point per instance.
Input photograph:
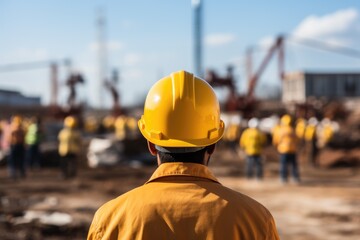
(102, 55)
(197, 5)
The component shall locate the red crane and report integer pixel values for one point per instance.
(246, 103)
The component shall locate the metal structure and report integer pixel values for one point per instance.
(197, 5)
(246, 103)
(51, 64)
(71, 82)
(111, 86)
(73, 79)
(253, 78)
(102, 55)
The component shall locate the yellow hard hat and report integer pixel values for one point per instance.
(109, 121)
(16, 119)
(181, 110)
(286, 120)
(70, 122)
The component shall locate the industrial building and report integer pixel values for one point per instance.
(299, 86)
(15, 98)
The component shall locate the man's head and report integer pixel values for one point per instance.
(181, 117)
(253, 123)
(70, 122)
(286, 120)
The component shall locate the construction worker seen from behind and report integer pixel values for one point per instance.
(326, 133)
(311, 138)
(182, 199)
(69, 147)
(285, 140)
(32, 139)
(16, 140)
(252, 141)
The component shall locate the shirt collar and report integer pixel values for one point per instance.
(182, 169)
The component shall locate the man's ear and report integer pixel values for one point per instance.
(152, 148)
(210, 149)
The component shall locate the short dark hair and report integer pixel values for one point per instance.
(189, 157)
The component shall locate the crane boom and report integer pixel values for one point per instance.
(53, 65)
(278, 45)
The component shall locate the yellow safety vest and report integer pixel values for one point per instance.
(252, 141)
(182, 201)
(326, 135)
(69, 141)
(310, 132)
(300, 128)
(285, 139)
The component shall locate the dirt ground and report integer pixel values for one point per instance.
(325, 205)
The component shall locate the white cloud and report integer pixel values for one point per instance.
(328, 26)
(132, 59)
(25, 54)
(340, 28)
(110, 45)
(267, 41)
(132, 74)
(219, 39)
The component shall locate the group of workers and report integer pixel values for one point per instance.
(289, 137)
(21, 139)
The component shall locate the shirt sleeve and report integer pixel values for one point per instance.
(95, 230)
(272, 233)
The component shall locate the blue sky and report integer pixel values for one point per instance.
(147, 40)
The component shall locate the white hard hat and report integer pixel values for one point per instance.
(313, 121)
(253, 123)
(326, 121)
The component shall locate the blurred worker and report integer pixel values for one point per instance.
(120, 127)
(300, 127)
(69, 147)
(17, 148)
(5, 135)
(32, 139)
(311, 140)
(325, 133)
(232, 131)
(182, 199)
(252, 141)
(285, 141)
(108, 123)
(276, 126)
(91, 124)
(2, 126)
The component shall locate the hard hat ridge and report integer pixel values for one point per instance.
(181, 110)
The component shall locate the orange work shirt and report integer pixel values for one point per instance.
(182, 201)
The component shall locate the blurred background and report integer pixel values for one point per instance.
(93, 62)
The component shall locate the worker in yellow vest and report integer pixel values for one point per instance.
(33, 137)
(69, 147)
(300, 127)
(182, 199)
(326, 133)
(286, 142)
(252, 141)
(311, 138)
(16, 140)
(120, 127)
(91, 124)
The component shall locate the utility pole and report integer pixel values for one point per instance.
(54, 84)
(197, 5)
(102, 55)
